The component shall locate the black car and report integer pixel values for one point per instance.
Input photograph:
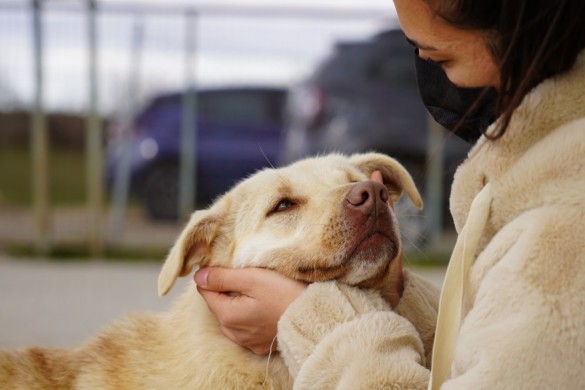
(364, 97)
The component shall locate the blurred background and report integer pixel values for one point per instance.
(118, 118)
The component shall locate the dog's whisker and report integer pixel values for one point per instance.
(413, 215)
(412, 232)
(266, 157)
(316, 224)
(282, 179)
(418, 249)
(419, 237)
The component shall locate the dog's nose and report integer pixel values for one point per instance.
(367, 197)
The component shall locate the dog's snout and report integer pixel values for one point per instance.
(367, 196)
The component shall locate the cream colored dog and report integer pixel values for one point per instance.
(318, 219)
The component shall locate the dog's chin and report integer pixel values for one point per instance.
(372, 248)
(371, 259)
(367, 260)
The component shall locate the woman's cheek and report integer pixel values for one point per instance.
(472, 74)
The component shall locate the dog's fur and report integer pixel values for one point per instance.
(305, 221)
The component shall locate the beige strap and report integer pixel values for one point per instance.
(450, 304)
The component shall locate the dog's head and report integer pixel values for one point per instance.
(318, 219)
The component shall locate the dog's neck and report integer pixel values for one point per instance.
(390, 283)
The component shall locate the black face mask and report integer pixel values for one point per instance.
(449, 104)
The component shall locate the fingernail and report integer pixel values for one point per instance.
(201, 277)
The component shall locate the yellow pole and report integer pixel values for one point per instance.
(94, 144)
(434, 183)
(188, 160)
(39, 143)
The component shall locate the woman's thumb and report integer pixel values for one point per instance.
(201, 277)
(217, 279)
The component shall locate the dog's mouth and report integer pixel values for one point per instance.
(312, 274)
(374, 250)
(369, 248)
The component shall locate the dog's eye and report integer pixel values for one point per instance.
(283, 205)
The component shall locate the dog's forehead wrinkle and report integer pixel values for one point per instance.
(275, 183)
(343, 174)
(330, 169)
(356, 174)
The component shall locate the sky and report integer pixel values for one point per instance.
(333, 4)
(273, 48)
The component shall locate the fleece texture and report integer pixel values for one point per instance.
(336, 336)
(524, 302)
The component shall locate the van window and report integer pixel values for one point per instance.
(240, 107)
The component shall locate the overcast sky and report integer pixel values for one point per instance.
(333, 4)
(231, 49)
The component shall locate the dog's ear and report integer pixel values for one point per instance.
(192, 246)
(395, 176)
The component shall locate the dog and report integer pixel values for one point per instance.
(323, 218)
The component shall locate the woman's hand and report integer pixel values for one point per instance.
(248, 303)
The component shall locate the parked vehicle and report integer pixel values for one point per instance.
(238, 132)
(363, 97)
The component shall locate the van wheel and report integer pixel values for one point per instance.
(161, 191)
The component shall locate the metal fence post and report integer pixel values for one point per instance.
(94, 141)
(121, 186)
(434, 183)
(188, 164)
(39, 142)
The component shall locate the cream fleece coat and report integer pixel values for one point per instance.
(523, 322)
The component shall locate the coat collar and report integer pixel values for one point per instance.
(550, 105)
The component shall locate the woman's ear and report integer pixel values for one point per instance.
(394, 175)
(192, 247)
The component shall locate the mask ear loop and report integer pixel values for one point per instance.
(428, 59)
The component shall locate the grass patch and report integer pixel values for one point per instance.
(427, 259)
(67, 177)
(15, 179)
(80, 252)
(76, 252)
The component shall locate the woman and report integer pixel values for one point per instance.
(513, 314)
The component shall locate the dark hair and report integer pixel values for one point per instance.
(530, 40)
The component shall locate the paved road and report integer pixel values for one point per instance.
(62, 304)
